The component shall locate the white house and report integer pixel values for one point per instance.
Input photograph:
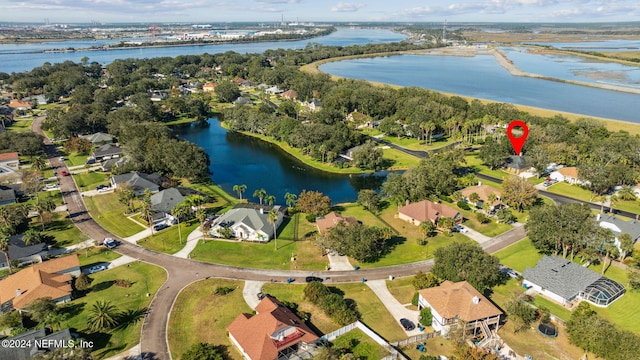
(248, 222)
(452, 301)
(565, 282)
(619, 227)
(567, 174)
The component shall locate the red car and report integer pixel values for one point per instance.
(64, 173)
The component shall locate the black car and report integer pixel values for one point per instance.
(407, 324)
(313, 278)
(159, 227)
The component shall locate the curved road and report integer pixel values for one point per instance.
(181, 272)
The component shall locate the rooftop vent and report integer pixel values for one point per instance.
(18, 292)
(475, 300)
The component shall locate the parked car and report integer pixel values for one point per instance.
(407, 324)
(158, 227)
(97, 268)
(91, 161)
(313, 278)
(461, 229)
(261, 295)
(110, 243)
(64, 173)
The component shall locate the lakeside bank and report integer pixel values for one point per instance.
(611, 124)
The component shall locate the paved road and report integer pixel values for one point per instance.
(181, 272)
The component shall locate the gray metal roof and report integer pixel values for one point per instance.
(560, 276)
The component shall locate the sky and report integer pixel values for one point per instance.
(270, 11)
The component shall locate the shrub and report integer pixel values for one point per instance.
(482, 218)
(223, 290)
(421, 241)
(310, 218)
(123, 283)
(83, 282)
(414, 300)
(463, 205)
(424, 281)
(334, 305)
(445, 198)
(425, 316)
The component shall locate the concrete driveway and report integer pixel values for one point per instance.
(397, 310)
(475, 235)
(250, 292)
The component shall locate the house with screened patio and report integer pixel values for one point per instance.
(567, 283)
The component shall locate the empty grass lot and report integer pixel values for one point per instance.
(145, 278)
(200, 316)
(63, 230)
(519, 256)
(109, 213)
(89, 180)
(573, 191)
(398, 160)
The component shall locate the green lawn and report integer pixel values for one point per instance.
(21, 125)
(54, 195)
(132, 300)
(402, 289)
(573, 191)
(89, 180)
(95, 255)
(222, 199)
(64, 231)
(168, 240)
(360, 345)
(75, 159)
(474, 162)
(360, 213)
(553, 307)
(629, 205)
(398, 159)
(405, 248)
(519, 256)
(491, 229)
(109, 213)
(200, 316)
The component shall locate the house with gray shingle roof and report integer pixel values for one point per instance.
(248, 222)
(7, 195)
(139, 182)
(98, 138)
(22, 252)
(565, 282)
(164, 201)
(619, 227)
(107, 151)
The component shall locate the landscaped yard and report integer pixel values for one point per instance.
(365, 347)
(89, 180)
(109, 213)
(573, 191)
(402, 289)
(21, 125)
(96, 255)
(398, 159)
(491, 229)
(200, 316)
(168, 240)
(133, 300)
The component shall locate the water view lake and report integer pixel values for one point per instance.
(482, 77)
(239, 159)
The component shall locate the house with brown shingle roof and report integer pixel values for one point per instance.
(10, 160)
(272, 332)
(20, 104)
(47, 279)
(290, 94)
(209, 87)
(484, 193)
(332, 219)
(426, 210)
(567, 174)
(451, 302)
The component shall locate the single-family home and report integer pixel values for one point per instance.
(564, 281)
(18, 104)
(517, 165)
(157, 95)
(619, 227)
(39, 341)
(10, 160)
(567, 174)
(426, 210)
(248, 222)
(6, 116)
(139, 182)
(274, 332)
(7, 195)
(273, 90)
(485, 194)
(313, 104)
(110, 164)
(164, 201)
(332, 219)
(19, 251)
(98, 139)
(209, 87)
(242, 101)
(238, 80)
(290, 94)
(451, 302)
(50, 278)
(107, 151)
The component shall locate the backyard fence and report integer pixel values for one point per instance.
(416, 339)
(393, 352)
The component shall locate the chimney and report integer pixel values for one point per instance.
(475, 300)
(406, 202)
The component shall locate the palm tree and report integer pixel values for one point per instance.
(240, 189)
(32, 236)
(5, 218)
(195, 201)
(103, 316)
(38, 163)
(474, 198)
(260, 194)
(273, 218)
(45, 206)
(55, 319)
(627, 193)
(270, 199)
(613, 201)
(178, 211)
(4, 248)
(426, 228)
(290, 199)
(147, 212)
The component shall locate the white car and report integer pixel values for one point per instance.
(461, 229)
(110, 243)
(97, 268)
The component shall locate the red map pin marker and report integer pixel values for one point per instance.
(517, 142)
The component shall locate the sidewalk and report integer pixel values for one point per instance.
(192, 241)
